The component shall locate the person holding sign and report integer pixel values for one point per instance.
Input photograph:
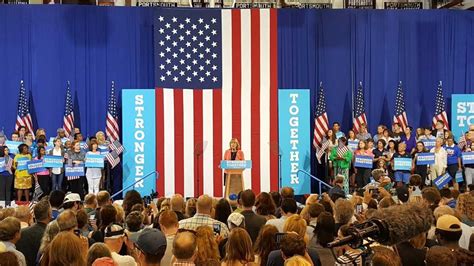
(93, 175)
(362, 174)
(453, 160)
(469, 167)
(57, 174)
(6, 177)
(22, 177)
(421, 170)
(342, 157)
(401, 176)
(76, 156)
(380, 154)
(439, 167)
(43, 178)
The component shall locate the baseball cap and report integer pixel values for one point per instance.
(113, 231)
(151, 240)
(72, 197)
(449, 223)
(236, 219)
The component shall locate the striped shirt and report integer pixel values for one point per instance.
(202, 219)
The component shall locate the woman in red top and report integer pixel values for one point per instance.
(233, 153)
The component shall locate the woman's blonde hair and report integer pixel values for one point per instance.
(236, 141)
(68, 250)
(296, 224)
(207, 248)
(120, 217)
(239, 247)
(297, 261)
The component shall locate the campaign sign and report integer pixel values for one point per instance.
(441, 181)
(94, 161)
(21, 164)
(103, 149)
(339, 135)
(52, 161)
(425, 158)
(462, 113)
(352, 144)
(429, 143)
(459, 178)
(35, 166)
(294, 136)
(236, 164)
(2, 164)
(51, 141)
(467, 158)
(402, 164)
(74, 170)
(13, 146)
(363, 161)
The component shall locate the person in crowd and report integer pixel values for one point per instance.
(352, 136)
(28, 140)
(469, 168)
(292, 244)
(23, 214)
(22, 177)
(401, 176)
(337, 191)
(253, 221)
(363, 133)
(362, 174)
(239, 249)
(184, 248)
(207, 248)
(427, 134)
(419, 132)
(448, 233)
(370, 144)
(40, 132)
(288, 208)
(7, 258)
(454, 164)
(52, 229)
(380, 154)
(297, 260)
(421, 170)
(431, 197)
(177, 205)
(343, 212)
(387, 136)
(67, 249)
(61, 133)
(324, 234)
(56, 198)
(103, 198)
(30, 240)
(76, 156)
(43, 178)
(341, 156)
(97, 251)
(415, 185)
(336, 128)
(447, 197)
(131, 198)
(15, 136)
(90, 204)
(101, 138)
(465, 208)
(440, 165)
(385, 256)
(440, 129)
(83, 224)
(397, 132)
(312, 212)
(379, 135)
(265, 206)
(93, 175)
(9, 235)
(266, 243)
(440, 256)
(203, 217)
(190, 209)
(169, 226)
(72, 202)
(134, 225)
(413, 251)
(114, 239)
(151, 245)
(222, 210)
(57, 173)
(6, 178)
(108, 215)
(409, 139)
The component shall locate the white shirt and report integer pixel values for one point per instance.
(278, 223)
(56, 152)
(123, 260)
(441, 159)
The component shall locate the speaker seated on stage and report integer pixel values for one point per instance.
(233, 153)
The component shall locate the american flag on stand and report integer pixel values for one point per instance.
(113, 158)
(68, 120)
(112, 129)
(321, 124)
(216, 78)
(440, 111)
(400, 115)
(359, 109)
(23, 117)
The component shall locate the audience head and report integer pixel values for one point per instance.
(297, 261)
(131, 198)
(177, 203)
(114, 237)
(384, 256)
(343, 211)
(90, 201)
(103, 198)
(276, 198)
(288, 206)
(7, 258)
(107, 216)
(264, 204)
(442, 210)
(56, 198)
(67, 221)
(152, 245)
(222, 210)
(204, 205)
(72, 201)
(287, 193)
(239, 246)
(10, 230)
(168, 221)
(120, 217)
(445, 193)
(291, 245)
(134, 221)
(440, 256)
(184, 246)
(52, 229)
(448, 229)
(431, 196)
(325, 228)
(42, 211)
(247, 198)
(207, 248)
(465, 206)
(23, 214)
(235, 220)
(96, 251)
(67, 249)
(296, 224)
(191, 207)
(82, 219)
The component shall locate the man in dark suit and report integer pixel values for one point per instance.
(30, 240)
(253, 221)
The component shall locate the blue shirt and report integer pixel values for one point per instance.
(411, 142)
(454, 153)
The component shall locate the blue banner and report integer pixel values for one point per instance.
(13, 146)
(139, 139)
(425, 158)
(462, 113)
(467, 158)
(94, 160)
(35, 166)
(363, 161)
(2, 164)
(294, 138)
(441, 181)
(236, 164)
(21, 164)
(352, 144)
(52, 161)
(429, 143)
(103, 149)
(459, 178)
(402, 164)
(74, 170)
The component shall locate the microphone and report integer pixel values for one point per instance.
(390, 226)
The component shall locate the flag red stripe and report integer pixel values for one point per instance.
(198, 143)
(217, 134)
(273, 101)
(160, 142)
(178, 142)
(255, 98)
(236, 74)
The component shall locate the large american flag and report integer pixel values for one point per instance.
(359, 109)
(68, 120)
(216, 77)
(112, 129)
(400, 115)
(23, 117)
(321, 123)
(440, 111)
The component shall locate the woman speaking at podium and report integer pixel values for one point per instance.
(233, 154)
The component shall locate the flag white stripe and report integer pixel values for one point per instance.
(169, 145)
(264, 100)
(226, 79)
(246, 99)
(188, 142)
(208, 137)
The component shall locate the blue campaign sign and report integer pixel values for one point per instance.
(13, 146)
(35, 166)
(425, 158)
(352, 144)
(467, 158)
(2, 164)
(294, 138)
(74, 170)
(402, 164)
(103, 149)
(441, 181)
(52, 161)
(94, 160)
(21, 164)
(429, 143)
(139, 139)
(462, 113)
(363, 161)
(236, 164)
(459, 178)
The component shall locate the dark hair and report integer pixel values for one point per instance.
(445, 193)
(327, 206)
(108, 214)
(343, 140)
(21, 147)
(315, 209)
(292, 244)
(276, 198)
(325, 228)
(440, 256)
(448, 235)
(92, 142)
(395, 145)
(431, 195)
(41, 210)
(265, 242)
(131, 198)
(289, 206)
(381, 141)
(38, 151)
(287, 192)
(222, 210)
(134, 221)
(2, 151)
(77, 134)
(264, 204)
(336, 123)
(247, 198)
(8, 258)
(415, 180)
(56, 198)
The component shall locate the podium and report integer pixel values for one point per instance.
(234, 181)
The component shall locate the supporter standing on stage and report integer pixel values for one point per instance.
(93, 174)
(43, 178)
(57, 174)
(421, 170)
(362, 174)
(453, 160)
(22, 177)
(439, 167)
(342, 158)
(401, 176)
(76, 156)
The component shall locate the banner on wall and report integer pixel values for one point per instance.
(138, 107)
(462, 113)
(294, 138)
